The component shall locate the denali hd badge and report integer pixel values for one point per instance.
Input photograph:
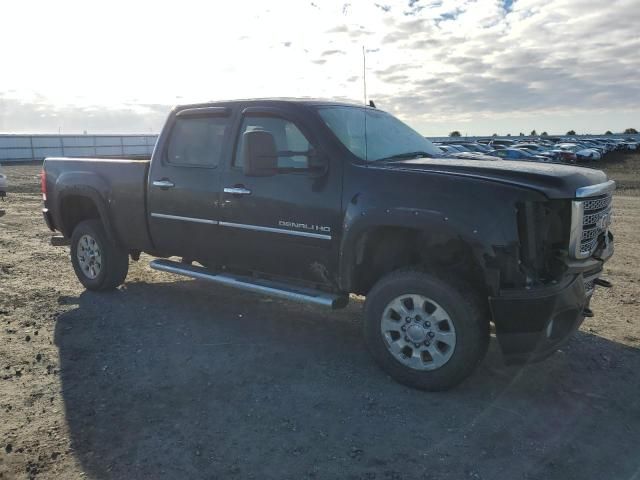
(305, 226)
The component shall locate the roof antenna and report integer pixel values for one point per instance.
(364, 73)
(364, 111)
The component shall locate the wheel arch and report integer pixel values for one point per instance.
(79, 203)
(372, 248)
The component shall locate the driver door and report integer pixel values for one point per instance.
(284, 224)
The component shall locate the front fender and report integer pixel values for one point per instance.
(480, 214)
(360, 219)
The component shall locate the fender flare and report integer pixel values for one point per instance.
(359, 222)
(90, 186)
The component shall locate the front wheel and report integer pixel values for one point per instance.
(423, 331)
(99, 263)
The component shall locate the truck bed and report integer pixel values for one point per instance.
(120, 184)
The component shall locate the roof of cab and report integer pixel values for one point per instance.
(274, 100)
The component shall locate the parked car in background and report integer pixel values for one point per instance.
(454, 151)
(593, 145)
(619, 144)
(535, 149)
(459, 148)
(582, 153)
(519, 154)
(447, 149)
(608, 146)
(567, 149)
(473, 146)
(501, 142)
(565, 155)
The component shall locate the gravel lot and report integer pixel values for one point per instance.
(169, 378)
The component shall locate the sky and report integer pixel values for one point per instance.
(477, 66)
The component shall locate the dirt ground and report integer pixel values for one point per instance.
(169, 378)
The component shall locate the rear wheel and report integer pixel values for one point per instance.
(99, 263)
(423, 331)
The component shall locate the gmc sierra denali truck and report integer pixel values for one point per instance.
(315, 200)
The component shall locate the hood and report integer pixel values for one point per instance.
(552, 179)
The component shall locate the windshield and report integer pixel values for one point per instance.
(386, 136)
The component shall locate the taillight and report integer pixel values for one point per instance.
(43, 184)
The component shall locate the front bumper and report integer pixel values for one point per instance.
(531, 324)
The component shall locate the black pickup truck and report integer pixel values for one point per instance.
(315, 200)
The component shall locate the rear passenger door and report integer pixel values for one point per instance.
(284, 224)
(184, 183)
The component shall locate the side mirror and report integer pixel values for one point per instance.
(260, 154)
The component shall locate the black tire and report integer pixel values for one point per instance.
(114, 261)
(466, 311)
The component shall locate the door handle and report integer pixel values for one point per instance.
(163, 184)
(237, 190)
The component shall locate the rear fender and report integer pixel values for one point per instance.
(91, 186)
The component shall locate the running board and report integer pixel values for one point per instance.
(256, 285)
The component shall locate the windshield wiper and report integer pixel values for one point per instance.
(404, 156)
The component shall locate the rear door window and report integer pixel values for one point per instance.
(197, 141)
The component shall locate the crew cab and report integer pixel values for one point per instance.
(316, 200)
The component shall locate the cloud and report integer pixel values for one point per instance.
(359, 32)
(328, 53)
(338, 29)
(431, 62)
(384, 8)
(36, 116)
(476, 59)
(394, 69)
(354, 32)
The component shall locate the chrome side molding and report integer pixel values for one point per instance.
(243, 226)
(184, 219)
(258, 228)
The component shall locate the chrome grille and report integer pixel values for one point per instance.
(590, 218)
(597, 203)
(595, 221)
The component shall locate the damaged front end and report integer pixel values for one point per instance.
(544, 297)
